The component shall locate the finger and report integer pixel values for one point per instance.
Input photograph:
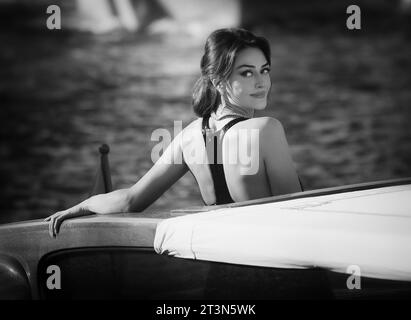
(57, 224)
(51, 226)
(51, 216)
(48, 218)
(56, 219)
(52, 221)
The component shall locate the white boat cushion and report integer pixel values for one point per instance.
(370, 229)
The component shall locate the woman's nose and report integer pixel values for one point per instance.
(259, 82)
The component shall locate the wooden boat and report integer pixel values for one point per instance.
(297, 246)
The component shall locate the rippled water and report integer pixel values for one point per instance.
(344, 102)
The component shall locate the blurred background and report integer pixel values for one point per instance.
(119, 69)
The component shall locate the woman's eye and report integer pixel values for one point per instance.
(266, 71)
(247, 73)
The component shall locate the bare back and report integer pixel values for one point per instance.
(243, 155)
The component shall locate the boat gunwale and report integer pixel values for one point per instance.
(299, 195)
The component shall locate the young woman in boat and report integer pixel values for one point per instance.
(234, 84)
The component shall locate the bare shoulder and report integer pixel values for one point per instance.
(266, 125)
(270, 130)
(269, 127)
(191, 128)
(193, 125)
(263, 128)
(191, 132)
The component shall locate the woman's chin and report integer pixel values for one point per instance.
(260, 106)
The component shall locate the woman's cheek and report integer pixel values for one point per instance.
(237, 88)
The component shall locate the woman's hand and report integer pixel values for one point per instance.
(57, 219)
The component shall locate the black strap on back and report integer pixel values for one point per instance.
(217, 170)
(222, 194)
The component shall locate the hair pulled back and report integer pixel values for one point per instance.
(220, 51)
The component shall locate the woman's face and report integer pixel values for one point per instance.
(249, 82)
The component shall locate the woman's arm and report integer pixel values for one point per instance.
(115, 201)
(164, 173)
(279, 166)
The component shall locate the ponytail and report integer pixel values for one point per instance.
(205, 97)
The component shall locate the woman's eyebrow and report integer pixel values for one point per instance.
(251, 66)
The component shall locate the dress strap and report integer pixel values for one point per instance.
(231, 123)
(217, 170)
(205, 124)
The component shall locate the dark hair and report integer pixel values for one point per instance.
(220, 51)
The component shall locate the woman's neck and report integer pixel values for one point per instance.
(228, 110)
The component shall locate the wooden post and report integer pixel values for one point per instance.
(102, 182)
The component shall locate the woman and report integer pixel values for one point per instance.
(234, 82)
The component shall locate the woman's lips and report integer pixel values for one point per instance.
(258, 95)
